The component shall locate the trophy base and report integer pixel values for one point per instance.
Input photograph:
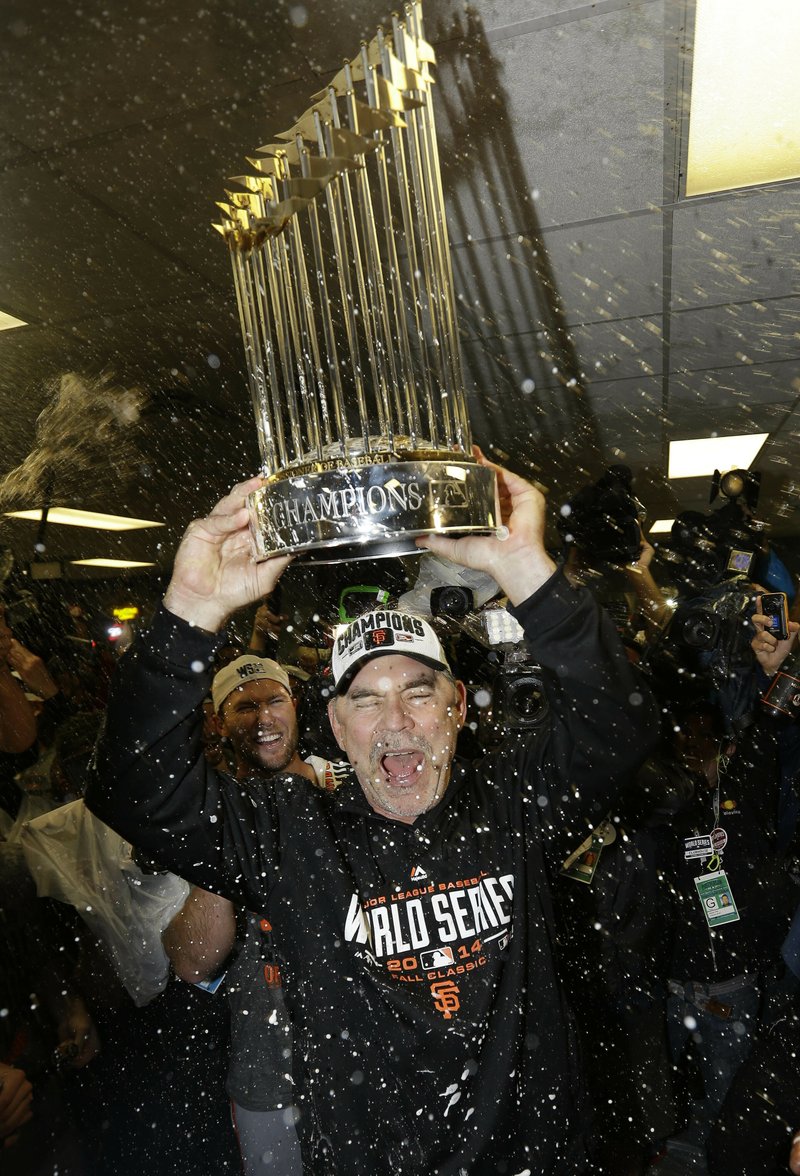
(330, 516)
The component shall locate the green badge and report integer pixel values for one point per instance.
(716, 898)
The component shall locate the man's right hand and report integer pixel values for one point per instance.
(215, 573)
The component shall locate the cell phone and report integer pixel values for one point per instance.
(775, 606)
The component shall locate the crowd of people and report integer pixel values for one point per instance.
(420, 903)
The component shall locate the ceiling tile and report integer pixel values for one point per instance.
(736, 249)
(570, 117)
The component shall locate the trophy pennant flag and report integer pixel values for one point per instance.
(344, 288)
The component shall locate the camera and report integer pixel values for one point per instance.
(708, 549)
(603, 520)
(696, 628)
(520, 702)
(505, 689)
(708, 639)
(451, 600)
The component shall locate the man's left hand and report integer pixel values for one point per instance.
(518, 561)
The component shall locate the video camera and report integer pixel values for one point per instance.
(504, 682)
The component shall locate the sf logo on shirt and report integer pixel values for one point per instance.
(446, 997)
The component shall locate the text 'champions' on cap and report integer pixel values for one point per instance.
(379, 633)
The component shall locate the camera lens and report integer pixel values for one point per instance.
(700, 630)
(451, 601)
(523, 703)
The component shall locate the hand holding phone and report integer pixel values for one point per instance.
(775, 607)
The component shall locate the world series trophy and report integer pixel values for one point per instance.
(344, 288)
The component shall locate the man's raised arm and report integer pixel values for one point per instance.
(606, 718)
(149, 780)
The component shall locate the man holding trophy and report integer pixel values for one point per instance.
(411, 908)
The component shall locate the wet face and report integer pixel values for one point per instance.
(397, 724)
(260, 720)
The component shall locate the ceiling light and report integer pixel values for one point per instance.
(701, 456)
(113, 563)
(744, 119)
(7, 321)
(661, 526)
(84, 518)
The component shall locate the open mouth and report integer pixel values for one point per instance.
(402, 768)
(267, 740)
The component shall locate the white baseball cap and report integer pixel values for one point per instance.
(377, 634)
(246, 669)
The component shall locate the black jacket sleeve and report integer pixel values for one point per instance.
(150, 780)
(604, 720)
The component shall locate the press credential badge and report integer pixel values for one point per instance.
(716, 898)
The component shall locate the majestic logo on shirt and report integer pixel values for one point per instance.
(417, 874)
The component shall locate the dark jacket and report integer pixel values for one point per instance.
(430, 1034)
(762, 888)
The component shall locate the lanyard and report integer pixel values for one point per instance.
(714, 863)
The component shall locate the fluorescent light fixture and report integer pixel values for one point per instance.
(701, 456)
(661, 526)
(744, 120)
(7, 321)
(84, 518)
(112, 563)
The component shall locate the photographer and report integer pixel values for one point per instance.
(411, 908)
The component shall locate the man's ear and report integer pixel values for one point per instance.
(461, 692)
(336, 726)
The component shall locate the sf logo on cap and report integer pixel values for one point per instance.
(377, 638)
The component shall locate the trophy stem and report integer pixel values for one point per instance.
(384, 340)
(372, 331)
(406, 379)
(314, 385)
(292, 302)
(415, 295)
(431, 276)
(333, 205)
(270, 451)
(413, 11)
(279, 299)
(341, 427)
(275, 417)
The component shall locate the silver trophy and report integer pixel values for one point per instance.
(341, 261)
